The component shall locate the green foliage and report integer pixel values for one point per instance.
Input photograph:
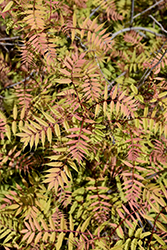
(83, 125)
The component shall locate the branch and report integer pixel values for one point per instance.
(22, 81)
(11, 44)
(9, 38)
(159, 24)
(149, 71)
(151, 7)
(132, 11)
(110, 84)
(135, 28)
(94, 11)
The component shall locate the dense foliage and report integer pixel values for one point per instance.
(83, 124)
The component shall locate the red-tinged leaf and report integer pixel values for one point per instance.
(74, 129)
(78, 118)
(93, 196)
(139, 183)
(51, 185)
(84, 137)
(101, 208)
(24, 231)
(44, 224)
(105, 107)
(62, 81)
(30, 239)
(27, 225)
(86, 131)
(106, 92)
(120, 213)
(26, 236)
(106, 203)
(113, 225)
(95, 203)
(127, 164)
(104, 197)
(65, 72)
(68, 65)
(99, 27)
(89, 121)
(102, 32)
(72, 142)
(36, 224)
(31, 224)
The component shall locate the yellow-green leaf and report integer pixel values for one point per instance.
(134, 244)
(114, 93)
(8, 6)
(43, 123)
(85, 224)
(14, 127)
(71, 223)
(159, 239)
(120, 232)
(49, 134)
(160, 226)
(49, 118)
(59, 241)
(13, 206)
(15, 112)
(71, 242)
(57, 130)
(43, 137)
(8, 132)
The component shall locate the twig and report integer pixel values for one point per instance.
(110, 85)
(149, 71)
(132, 11)
(22, 81)
(135, 28)
(9, 38)
(159, 24)
(151, 7)
(11, 44)
(94, 11)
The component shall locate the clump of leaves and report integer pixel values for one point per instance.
(84, 133)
